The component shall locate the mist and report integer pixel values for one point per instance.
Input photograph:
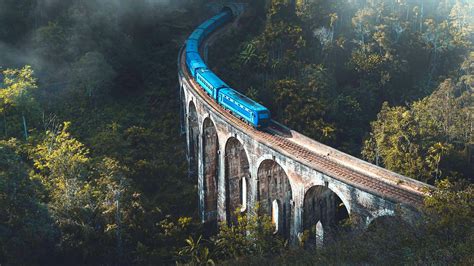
(61, 38)
(28, 21)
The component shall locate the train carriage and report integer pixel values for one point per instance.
(240, 105)
(194, 62)
(192, 46)
(210, 82)
(222, 18)
(197, 35)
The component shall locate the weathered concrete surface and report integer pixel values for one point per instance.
(210, 162)
(310, 182)
(273, 185)
(236, 171)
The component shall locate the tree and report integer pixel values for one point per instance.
(17, 95)
(300, 107)
(253, 235)
(60, 159)
(50, 42)
(461, 21)
(448, 221)
(415, 141)
(119, 204)
(93, 75)
(363, 22)
(27, 232)
(94, 204)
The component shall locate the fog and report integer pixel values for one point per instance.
(24, 23)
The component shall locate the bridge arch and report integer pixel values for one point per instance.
(210, 144)
(381, 221)
(322, 205)
(394, 222)
(237, 178)
(379, 215)
(193, 138)
(275, 195)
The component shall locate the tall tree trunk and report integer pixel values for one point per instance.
(25, 129)
(119, 225)
(5, 124)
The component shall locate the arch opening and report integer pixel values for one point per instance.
(276, 215)
(323, 214)
(210, 142)
(236, 170)
(243, 195)
(274, 195)
(319, 234)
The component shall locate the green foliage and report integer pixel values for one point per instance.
(105, 188)
(60, 157)
(417, 141)
(93, 75)
(195, 252)
(301, 109)
(93, 203)
(16, 99)
(50, 41)
(252, 235)
(27, 232)
(19, 84)
(451, 209)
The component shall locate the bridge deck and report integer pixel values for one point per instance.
(341, 166)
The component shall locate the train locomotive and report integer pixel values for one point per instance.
(240, 105)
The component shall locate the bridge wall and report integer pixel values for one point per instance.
(361, 206)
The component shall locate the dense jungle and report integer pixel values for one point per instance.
(93, 166)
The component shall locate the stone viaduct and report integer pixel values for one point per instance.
(301, 183)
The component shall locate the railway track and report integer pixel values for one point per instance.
(280, 143)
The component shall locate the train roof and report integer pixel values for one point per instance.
(221, 15)
(193, 56)
(192, 46)
(212, 78)
(249, 103)
(194, 61)
(206, 24)
(196, 35)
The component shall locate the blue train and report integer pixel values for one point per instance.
(240, 105)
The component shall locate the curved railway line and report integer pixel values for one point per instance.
(343, 167)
